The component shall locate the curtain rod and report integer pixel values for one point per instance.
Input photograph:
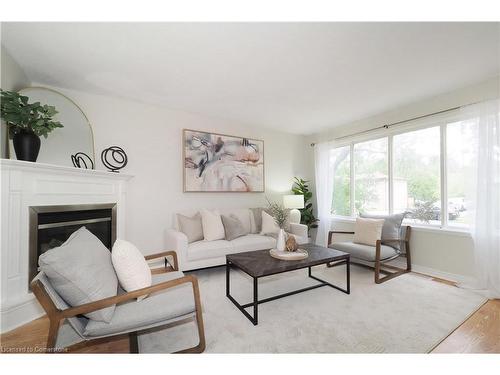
(387, 126)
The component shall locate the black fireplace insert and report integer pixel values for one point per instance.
(51, 226)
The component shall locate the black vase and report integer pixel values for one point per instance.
(26, 145)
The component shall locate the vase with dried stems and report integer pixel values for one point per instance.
(280, 215)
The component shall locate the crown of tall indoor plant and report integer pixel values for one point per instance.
(19, 115)
(301, 187)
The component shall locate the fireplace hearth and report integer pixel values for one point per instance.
(51, 226)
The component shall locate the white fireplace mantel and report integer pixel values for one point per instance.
(24, 184)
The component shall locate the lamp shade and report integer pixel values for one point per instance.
(293, 201)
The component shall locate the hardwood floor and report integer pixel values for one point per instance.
(478, 334)
(34, 335)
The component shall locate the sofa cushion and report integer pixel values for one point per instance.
(233, 227)
(191, 227)
(252, 242)
(212, 225)
(157, 309)
(364, 252)
(391, 228)
(243, 215)
(208, 249)
(257, 219)
(80, 270)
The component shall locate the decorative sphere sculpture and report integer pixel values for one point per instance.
(114, 158)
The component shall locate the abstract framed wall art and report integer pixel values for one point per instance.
(222, 163)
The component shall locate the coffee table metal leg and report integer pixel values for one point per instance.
(254, 304)
(347, 290)
(348, 269)
(228, 267)
(255, 301)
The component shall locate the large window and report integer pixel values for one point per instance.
(424, 171)
(417, 182)
(371, 181)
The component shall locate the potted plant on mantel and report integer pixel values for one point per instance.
(26, 123)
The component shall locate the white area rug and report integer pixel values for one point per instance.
(409, 314)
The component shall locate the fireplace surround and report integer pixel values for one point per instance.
(26, 185)
(51, 226)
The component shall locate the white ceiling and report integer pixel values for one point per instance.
(294, 77)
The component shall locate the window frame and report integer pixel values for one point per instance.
(441, 121)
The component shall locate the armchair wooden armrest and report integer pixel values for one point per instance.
(57, 316)
(171, 253)
(330, 234)
(106, 302)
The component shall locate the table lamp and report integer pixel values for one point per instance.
(293, 202)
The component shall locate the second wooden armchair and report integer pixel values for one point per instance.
(376, 256)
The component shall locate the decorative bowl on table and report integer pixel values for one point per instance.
(289, 255)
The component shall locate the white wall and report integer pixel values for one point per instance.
(12, 78)
(437, 252)
(151, 135)
(152, 139)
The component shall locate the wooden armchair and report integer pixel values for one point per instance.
(378, 254)
(58, 311)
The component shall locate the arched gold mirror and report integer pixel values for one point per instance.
(76, 135)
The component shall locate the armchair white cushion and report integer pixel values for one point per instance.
(130, 266)
(367, 231)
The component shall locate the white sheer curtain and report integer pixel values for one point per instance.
(485, 228)
(324, 189)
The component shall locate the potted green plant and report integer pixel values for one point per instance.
(301, 187)
(26, 122)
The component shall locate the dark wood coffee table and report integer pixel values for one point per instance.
(259, 264)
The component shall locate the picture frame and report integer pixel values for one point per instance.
(222, 163)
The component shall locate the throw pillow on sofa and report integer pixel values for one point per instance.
(213, 229)
(257, 219)
(80, 270)
(269, 225)
(233, 227)
(191, 227)
(130, 266)
(368, 231)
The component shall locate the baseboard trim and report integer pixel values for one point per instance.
(20, 313)
(428, 271)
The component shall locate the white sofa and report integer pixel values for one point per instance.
(201, 254)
